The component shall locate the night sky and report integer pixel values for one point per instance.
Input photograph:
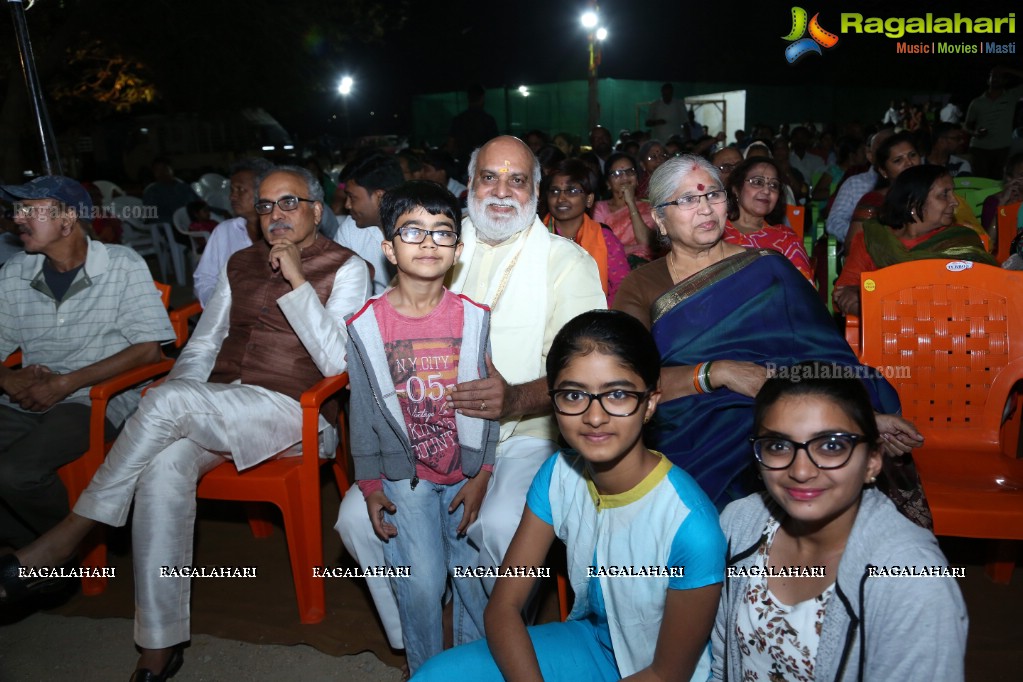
(531, 41)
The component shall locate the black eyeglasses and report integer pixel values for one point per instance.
(689, 202)
(417, 235)
(567, 191)
(759, 181)
(658, 156)
(617, 403)
(830, 451)
(287, 203)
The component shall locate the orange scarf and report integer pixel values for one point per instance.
(591, 237)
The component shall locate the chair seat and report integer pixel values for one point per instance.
(974, 495)
(226, 483)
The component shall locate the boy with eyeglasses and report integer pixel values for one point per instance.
(422, 467)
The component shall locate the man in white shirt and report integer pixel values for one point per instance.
(366, 180)
(234, 234)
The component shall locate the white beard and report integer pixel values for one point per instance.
(497, 230)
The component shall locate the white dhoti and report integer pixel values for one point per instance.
(182, 430)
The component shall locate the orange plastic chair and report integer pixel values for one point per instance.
(293, 485)
(1008, 217)
(949, 336)
(797, 217)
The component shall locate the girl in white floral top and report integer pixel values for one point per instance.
(803, 599)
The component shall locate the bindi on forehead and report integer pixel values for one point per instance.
(504, 168)
(699, 186)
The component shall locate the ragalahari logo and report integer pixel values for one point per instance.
(801, 46)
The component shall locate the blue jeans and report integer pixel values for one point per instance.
(428, 542)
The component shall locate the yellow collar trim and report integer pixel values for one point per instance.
(648, 483)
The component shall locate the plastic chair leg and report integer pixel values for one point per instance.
(259, 519)
(305, 549)
(563, 596)
(95, 558)
(1002, 560)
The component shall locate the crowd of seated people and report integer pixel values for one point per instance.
(686, 240)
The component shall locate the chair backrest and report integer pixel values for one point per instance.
(949, 336)
(130, 210)
(1008, 225)
(181, 220)
(974, 191)
(796, 217)
(108, 189)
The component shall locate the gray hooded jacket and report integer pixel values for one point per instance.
(379, 440)
(875, 628)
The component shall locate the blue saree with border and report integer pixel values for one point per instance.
(752, 307)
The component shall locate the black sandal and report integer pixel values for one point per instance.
(17, 588)
(174, 663)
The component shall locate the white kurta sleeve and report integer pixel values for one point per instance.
(322, 327)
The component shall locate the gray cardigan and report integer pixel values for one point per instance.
(379, 438)
(875, 628)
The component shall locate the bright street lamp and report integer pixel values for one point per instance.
(601, 33)
(345, 88)
(589, 20)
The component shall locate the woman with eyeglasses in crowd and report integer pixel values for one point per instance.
(756, 212)
(722, 316)
(809, 589)
(628, 217)
(569, 192)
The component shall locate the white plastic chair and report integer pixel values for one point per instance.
(211, 184)
(109, 190)
(135, 233)
(163, 237)
(196, 238)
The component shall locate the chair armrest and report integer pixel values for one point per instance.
(101, 393)
(853, 335)
(107, 389)
(315, 396)
(311, 401)
(14, 359)
(179, 321)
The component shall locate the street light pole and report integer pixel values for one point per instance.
(47, 140)
(345, 89)
(595, 34)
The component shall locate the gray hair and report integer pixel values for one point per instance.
(253, 164)
(313, 187)
(664, 181)
(647, 146)
(536, 165)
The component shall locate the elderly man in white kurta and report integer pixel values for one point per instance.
(273, 327)
(534, 282)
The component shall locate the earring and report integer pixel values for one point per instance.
(872, 480)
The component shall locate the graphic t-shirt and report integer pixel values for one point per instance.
(422, 353)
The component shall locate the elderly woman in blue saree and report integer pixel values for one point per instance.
(724, 317)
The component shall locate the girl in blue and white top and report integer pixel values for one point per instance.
(645, 552)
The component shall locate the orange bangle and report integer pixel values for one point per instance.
(696, 378)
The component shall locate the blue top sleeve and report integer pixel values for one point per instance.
(699, 544)
(538, 499)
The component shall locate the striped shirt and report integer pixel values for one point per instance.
(111, 305)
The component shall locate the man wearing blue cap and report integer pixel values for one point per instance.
(81, 312)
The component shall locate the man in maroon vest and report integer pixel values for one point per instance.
(273, 327)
